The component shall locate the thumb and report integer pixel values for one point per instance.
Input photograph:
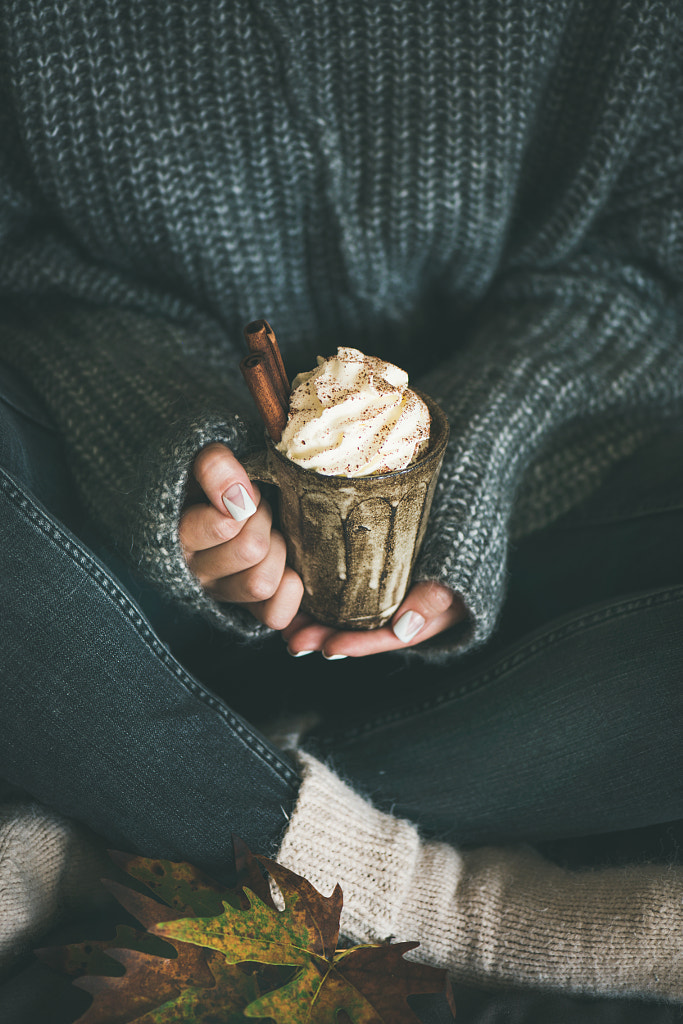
(429, 608)
(225, 483)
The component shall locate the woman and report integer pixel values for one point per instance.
(490, 199)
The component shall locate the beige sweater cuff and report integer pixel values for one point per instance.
(495, 915)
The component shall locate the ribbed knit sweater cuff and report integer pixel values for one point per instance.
(337, 836)
(492, 915)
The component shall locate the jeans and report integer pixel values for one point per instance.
(134, 717)
(100, 720)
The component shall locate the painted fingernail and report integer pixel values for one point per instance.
(298, 654)
(408, 626)
(238, 503)
(334, 657)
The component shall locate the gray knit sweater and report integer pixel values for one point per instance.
(489, 194)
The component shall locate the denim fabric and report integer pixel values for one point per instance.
(570, 723)
(575, 730)
(99, 719)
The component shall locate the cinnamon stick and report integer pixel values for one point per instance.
(256, 371)
(260, 338)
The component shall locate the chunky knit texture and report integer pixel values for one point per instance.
(495, 915)
(50, 868)
(490, 192)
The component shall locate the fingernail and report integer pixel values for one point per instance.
(334, 657)
(238, 503)
(408, 626)
(298, 654)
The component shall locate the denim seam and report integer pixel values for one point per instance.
(528, 650)
(641, 511)
(77, 554)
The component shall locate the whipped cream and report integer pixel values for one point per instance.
(354, 415)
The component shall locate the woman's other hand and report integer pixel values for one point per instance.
(230, 544)
(427, 609)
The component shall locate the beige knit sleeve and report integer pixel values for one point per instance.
(494, 915)
(50, 869)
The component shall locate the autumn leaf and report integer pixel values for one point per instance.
(249, 874)
(180, 885)
(308, 926)
(136, 976)
(224, 1003)
(91, 957)
(148, 980)
(213, 955)
(370, 983)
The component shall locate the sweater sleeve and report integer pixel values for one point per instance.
(491, 915)
(136, 377)
(567, 369)
(135, 397)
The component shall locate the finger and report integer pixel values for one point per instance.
(297, 623)
(245, 550)
(203, 526)
(260, 582)
(225, 482)
(310, 637)
(280, 609)
(377, 641)
(428, 609)
(426, 603)
(354, 644)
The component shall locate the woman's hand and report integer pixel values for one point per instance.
(237, 556)
(427, 609)
(230, 545)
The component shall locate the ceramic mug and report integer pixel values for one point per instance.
(354, 540)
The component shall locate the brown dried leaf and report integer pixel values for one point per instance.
(385, 979)
(249, 875)
(370, 984)
(224, 1003)
(148, 980)
(91, 957)
(235, 956)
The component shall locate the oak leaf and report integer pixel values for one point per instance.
(215, 955)
(369, 983)
(138, 977)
